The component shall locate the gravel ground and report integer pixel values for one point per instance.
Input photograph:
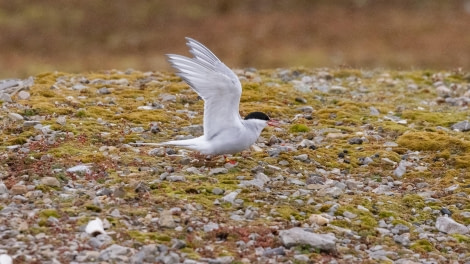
(366, 167)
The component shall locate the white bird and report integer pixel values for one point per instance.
(225, 132)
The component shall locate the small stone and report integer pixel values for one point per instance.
(301, 100)
(349, 215)
(400, 229)
(168, 98)
(61, 120)
(113, 252)
(3, 188)
(4, 97)
(50, 181)
(305, 109)
(337, 89)
(216, 171)
(298, 236)
(318, 220)
(401, 169)
(166, 219)
(355, 140)
(18, 189)
(448, 225)
(461, 126)
(302, 157)
(211, 226)
(443, 91)
(403, 239)
(15, 117)
(230, 198)
(374, 111)
(104, 90)
(176, 178)
(446, 211)
(23, 95)
(270, 252)
(217, 191)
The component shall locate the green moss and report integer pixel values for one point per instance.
(46, 213)
(93, 208)
(433, 141)
(46, 188)
(148, 236)
(413, 201)
(461, 238)
(422, 246)
(299, 128)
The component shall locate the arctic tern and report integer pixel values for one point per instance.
(225, 132)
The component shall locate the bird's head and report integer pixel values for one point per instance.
(261, 118)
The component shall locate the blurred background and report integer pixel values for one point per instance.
(87, 35)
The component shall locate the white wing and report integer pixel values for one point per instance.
(215, 83)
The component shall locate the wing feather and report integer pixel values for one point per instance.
(217, 85)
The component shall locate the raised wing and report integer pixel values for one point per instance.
(214, 82)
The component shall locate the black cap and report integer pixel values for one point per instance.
(257, 115)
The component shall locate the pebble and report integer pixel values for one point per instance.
(50, 181)
(210, 227)
(114, 253)
(166, 219)
(298, 236)
(24, 95)
(302, 157)
(61, 120)
(461, 126)
(318, 220)
(18, 189)
(15, 117)
(450, 226)
(355, 140)
(217, 191)
(374, 111)
(216, 171)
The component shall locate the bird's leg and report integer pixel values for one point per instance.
(227, 160)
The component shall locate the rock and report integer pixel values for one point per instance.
(114, 252)
(15, 117)
(217, 191)
(194, 129)
(5, 259)
(443, 91)
(349, 215)
(23, 95)
(401, 169)
(461, 126)
(355, 140)
(259, 181)
(4, 97)
(18, 189)
(104, 90)
(298, 236)
(215, 171)
(230, 198)
(61, 120)
(382, 189)
(301, 100)
(176, 178)
(50, 181)
(448, 225)
(374, 111)
(338, 89)
(446, 211)
(167, 98)
(100, 241)
(302, 157)
(271, 252)
(3, 188)
(211, 226)
(403, 239)
(318, 220)
(82, 168)
(166, 219)
(305, 109)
